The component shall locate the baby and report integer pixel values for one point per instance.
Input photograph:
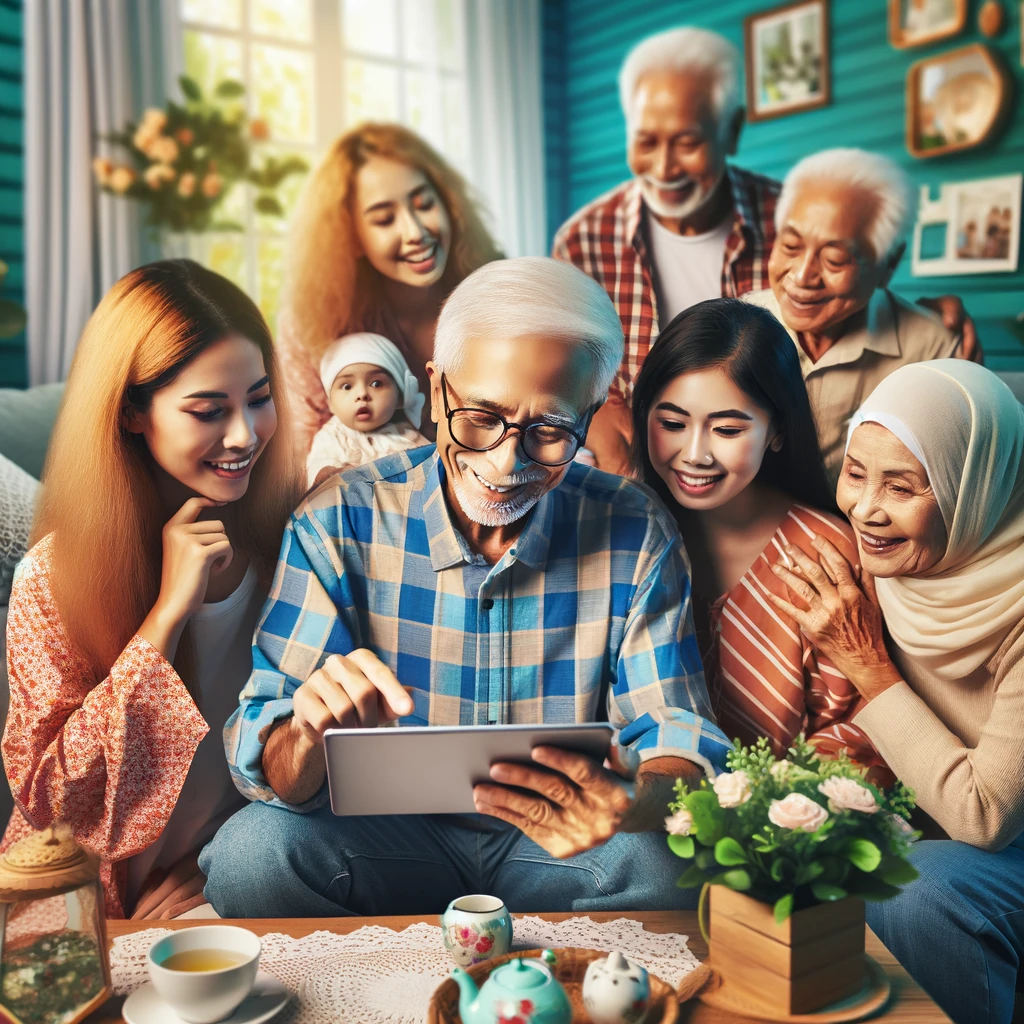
(376, 403)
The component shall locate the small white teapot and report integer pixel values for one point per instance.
(616, 991)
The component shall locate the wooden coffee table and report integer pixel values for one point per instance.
(908, 1005)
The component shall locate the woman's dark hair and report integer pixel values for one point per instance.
(759, 357)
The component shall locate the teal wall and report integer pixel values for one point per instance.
(13, 371)
(587, 40)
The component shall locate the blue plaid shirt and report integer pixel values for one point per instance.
(585, 618)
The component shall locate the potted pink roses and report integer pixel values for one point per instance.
(789, 850)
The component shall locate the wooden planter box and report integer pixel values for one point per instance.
(812, 959)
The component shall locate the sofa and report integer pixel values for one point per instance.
(26, 420)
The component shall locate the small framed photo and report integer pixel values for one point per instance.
(955, 100)
(975, 227)
(919, 22)
(787, 60)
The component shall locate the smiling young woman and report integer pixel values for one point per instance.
(723, 431)
(167, 486)
(386, 228)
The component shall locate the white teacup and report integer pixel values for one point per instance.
(203, 997)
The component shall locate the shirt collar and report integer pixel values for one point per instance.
(449, 548)
(877, 333)
(744, 204)
(744, 201)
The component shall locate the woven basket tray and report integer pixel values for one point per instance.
(570, 967)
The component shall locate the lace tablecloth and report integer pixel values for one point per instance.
(378, 976)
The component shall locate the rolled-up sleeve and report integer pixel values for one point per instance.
(308, 616)
(659, 697)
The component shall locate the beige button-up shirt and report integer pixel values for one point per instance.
(894, 332)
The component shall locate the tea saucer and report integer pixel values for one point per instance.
(267, 998)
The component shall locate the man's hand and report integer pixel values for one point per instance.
(573, 807)
(610, 435)
(956, 319)
(354, 691)
(168, 894)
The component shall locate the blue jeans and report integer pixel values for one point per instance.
(959, 928)
(270, 862)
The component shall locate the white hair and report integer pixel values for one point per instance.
(532, 295)
(883, 178)
(685, 49)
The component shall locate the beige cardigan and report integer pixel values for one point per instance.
(959, 747)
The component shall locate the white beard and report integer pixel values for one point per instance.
(494, 513)
(675, 211)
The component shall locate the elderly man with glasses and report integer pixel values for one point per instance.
(487, 580)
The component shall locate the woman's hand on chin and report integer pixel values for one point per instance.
(841, 616)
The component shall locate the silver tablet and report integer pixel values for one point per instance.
(432, 769)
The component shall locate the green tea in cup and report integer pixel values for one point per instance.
(203, 960)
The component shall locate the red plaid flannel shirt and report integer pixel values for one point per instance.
(606, 241)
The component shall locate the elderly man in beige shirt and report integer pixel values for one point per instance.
(841, 218)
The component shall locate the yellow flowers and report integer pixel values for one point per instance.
(121, 179)
(156, 175)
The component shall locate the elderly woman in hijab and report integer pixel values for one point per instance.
(933, 484)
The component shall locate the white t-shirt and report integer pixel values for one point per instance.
(222, 640)
(687, 268)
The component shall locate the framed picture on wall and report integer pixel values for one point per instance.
(980, 222)
(918, 22)
(955, 100)
(787, 59)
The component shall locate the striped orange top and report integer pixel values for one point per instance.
(764, 676)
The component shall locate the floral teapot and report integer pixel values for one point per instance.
(522, 991)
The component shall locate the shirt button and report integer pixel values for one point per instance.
(487, 604)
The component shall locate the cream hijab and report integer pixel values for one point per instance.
(967, 429)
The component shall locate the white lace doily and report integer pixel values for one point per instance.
(378, 976)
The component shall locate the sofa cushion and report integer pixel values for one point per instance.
(6, 800)
(18, 493)
(26, 419)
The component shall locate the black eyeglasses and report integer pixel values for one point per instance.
(480, 430)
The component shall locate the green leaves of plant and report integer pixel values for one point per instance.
(728, 852)
(229, 89)
(896, 871)
(190, 88)
(783, 907)
(828, 893)
(269, 205)
(862, 853)
(708, 817)
(691, 878)
(681, 846)
(738, 879)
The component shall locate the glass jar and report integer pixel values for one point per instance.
(54, 963)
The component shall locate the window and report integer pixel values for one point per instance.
(312, 69)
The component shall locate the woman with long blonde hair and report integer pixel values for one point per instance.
(166, 490)
(385, 229)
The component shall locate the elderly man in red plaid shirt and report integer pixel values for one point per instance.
(689, 225)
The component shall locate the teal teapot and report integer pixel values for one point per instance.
(523, 991)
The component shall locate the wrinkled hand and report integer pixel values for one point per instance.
(573, 807)
(168, 894)
(353, 691)
(956, 319)
(840, 616)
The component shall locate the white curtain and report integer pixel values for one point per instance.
(90, 66)
(506, 119)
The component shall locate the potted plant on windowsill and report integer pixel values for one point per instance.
(788, 851)
(184, 160)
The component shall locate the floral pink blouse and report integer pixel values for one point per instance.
(108, 758)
